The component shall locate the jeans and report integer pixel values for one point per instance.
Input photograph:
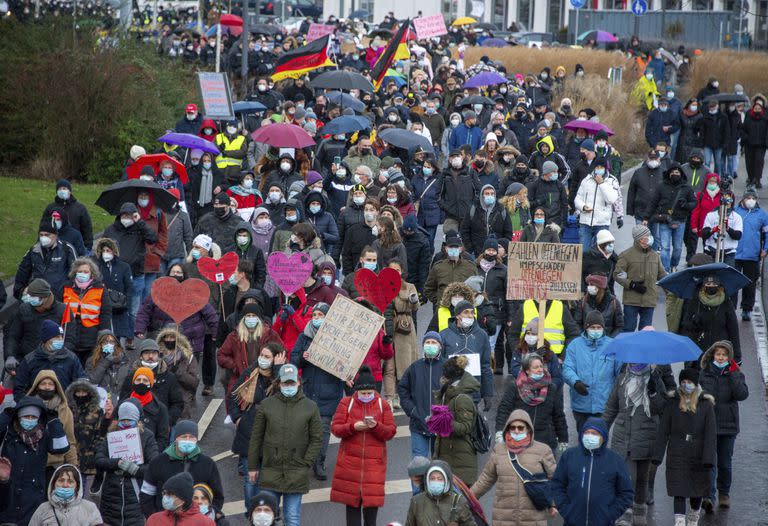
(633, 314)
(673, 138)
(587, 235)
(291, 507)
(731, 164)
(714, 156)
(720, 477)
(421, 446)
(136, 297)
(249, 489)
(671, 238)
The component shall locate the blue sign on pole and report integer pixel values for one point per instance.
(578, 4)
(639, 7)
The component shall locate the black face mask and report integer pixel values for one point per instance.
(695, 163)
(521, 169)
(46, 395)
(220, 212)
(141, 389)
(178, 278)
(82, 399)
(710, 291)
(488, 257)
(169, 345)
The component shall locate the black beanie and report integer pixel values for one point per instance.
(263, 498)
(453, 368)
(46, 225)
(594, 317)
(180, 485)
(364, 380)
(462, 306)
(63, 183)
(690, 374)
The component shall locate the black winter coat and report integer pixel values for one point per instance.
(714, 130)
(610, 308)
(729, 388)
(117, 276)
(349, 216)
(644, 181)
(51, 264)
(78, 217)
(166, 390)
(480, 223)
(419, 257)
(549, 235)
(707, 325)
(495, 288)
(245, 426)
(355, 240)
(549, 423)
(690, 136)
(130, 241)
(321, 387)
(754, 130)
(734, 132)
(24, 330)
(594, 262)
(675, 199)
(222, 231)
(552, 196)
(119, 505)
(457, 193)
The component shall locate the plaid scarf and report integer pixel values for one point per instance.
(30, 438)
(533, 392)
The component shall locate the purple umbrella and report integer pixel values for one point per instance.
(187, 140)
(590, 126)
(494, 42)
(486, 78)
(598, 35)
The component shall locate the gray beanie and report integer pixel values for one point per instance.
(322, 307)
(469, 114)
(185, 427)
(548, 167)
(640, 231)
(129, 410)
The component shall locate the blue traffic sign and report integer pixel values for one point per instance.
(578, 4)
(639, 7)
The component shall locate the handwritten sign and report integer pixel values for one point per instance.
(544, 271)
(430, 26)
(217, 98)
(125, 444)
(343, 340)
(319, 31)
(290, 273)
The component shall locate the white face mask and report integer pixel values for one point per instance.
(231, 130)
(749, 203)
(45, 241)
(531, 339)
(107, 256)
(653, 164)
(285, 166)
(592, 290)
(467, 322)
(456, 162)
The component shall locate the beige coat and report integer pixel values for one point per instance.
(64, 413)
(511, 505)
(406, 347)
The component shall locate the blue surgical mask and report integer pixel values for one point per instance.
(489, 199)
(167, 172)
(366, 399)
(264, 363)
(595, 334)
(28, 424)
(204, 508)
(143, 203)
(435, 487)
(186, 446)
(127, 424)
(650, 241)
(251, 322)
(207, 165)
(370, 266)
(65, 494)
(327, 280)
(517, 437)
(590, 441)
(34, 301)
(317, 322)
(169, 502)
(719, 365)
(289, 391)
(538, 220)
(195, 254)
(600, 172)
(609, 248)
(233, 279)
(57, 345)
(453, 252)
(426, 171)
(536, 377)
(431, 350)
(82, 277)
(108, 348)
(314, 209)
(553, 177)
(688, 387)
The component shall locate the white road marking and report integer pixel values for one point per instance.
(222, 456)
(207, 417)
(761, 335)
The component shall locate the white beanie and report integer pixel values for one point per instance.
(491, 137)
(203, 241)
(137, 151)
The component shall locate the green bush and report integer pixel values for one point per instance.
(72, 110)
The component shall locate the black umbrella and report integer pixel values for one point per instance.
(345, 100)
(342, 80)
(474, 99)
(727, 98)
(264, 29)
(405, 139)
(113, 196)
(486, 25)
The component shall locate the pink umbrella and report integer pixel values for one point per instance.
(590, 126)
(282, 135)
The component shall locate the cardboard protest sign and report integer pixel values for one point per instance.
(125, 444)
(319, 31)
(218, 270)
(289, 272)
(430, 26)
(180, 300)
(544, 271)
(380, 289)
(216, 95)
(343, 340)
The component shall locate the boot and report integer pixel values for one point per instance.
(707, 506)
(679, 519)
(207, 390)
(625, 520)
(692, 519)
(639, 515)
(649, 495)
(319, 469)
(724, 501)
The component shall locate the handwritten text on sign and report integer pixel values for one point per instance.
(343, 340)
(544, 271)
(319, 31)
(125, 444)
(214, 90)
(430, 26)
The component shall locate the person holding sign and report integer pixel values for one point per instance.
(464, 336)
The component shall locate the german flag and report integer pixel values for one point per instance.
(299, 61)
(385, 60)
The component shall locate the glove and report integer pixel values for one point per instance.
(620, 222)
(129, 467)
(732, 369)
(487, 403)
(11, 363)
(581, 388)
(638, 287)
(285, 311)
(561, 447)
(387, 339)
(499, 437)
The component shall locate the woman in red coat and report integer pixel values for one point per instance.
(364, 423)
(707, 200)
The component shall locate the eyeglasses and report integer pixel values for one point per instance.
(518, 428)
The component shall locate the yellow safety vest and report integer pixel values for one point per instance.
(224, 144)
(554, 332)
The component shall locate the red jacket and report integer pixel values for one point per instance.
(361, 465)
(704, 205)
(234, 357)
(290, 329)
(189, 517)
(379, 351)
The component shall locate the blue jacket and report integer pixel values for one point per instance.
(656, 119)
(323, 222)
(429, 213)
(415, 390)
(463, 134)
(755, 229)
(591, 487)
(658, 70)
(475, 340)
(321, 387)
(64, 363)
(585, 360)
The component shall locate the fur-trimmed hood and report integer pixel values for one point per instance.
(709, 354)
(182, 343)
(99, 244)
(457, 289)
(83, 385)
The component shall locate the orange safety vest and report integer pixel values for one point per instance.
(86, 307)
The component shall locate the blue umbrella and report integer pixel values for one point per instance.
(346, 124)
(345, 100)
(244, 106)
(187, 140)
(399, 81)
(652, 347)
(684, 283)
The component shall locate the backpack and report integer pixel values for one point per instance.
(480, 437)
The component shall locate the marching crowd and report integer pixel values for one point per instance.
(90, 352)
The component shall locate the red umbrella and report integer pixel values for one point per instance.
(282, 135)
(154, 161)
(231, 20)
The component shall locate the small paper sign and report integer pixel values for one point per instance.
(125, 444)
(319, 31)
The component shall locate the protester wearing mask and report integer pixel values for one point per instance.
(690, 130)
(116, 276)
(661, 123)
(641, 187)
(600, 259)
(550, 194)
(728, 240)
(205, 181)
(89, 420)
(364, 423)
(751, 247)
(687, 434)
(108, 364)
(714, 136)
(179, 507)
(753, 138)
(203, 497)
(263, 509)
(66, 232)
(182, 362)
(245, 194)
(467, 133)
(352, 213)
(594, 201)
(598, 297)
(357, 237)
(66, 505)
(252, 241)
(540, 229)
(290, 424)
(485, 218)
(452, 268)
(645, 92)
(439, 499)
(707, 200)
(76, 212)
(221, 224)
(233, 147)
(323, 222)
(49, 258)
(47, 387)
(156, 220)
(191, 121)
(89, 308)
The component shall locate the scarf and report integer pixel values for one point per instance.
(636, 391)
(143, 399)
(711, 301)
(517, 224)
(206, 187)
(486, 265)
(539, 229)
(30, 438)
(688, 113)
(262, 230)
(517, 446)
(243, 192)
(532, 392)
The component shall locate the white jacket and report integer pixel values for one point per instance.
(599, 197)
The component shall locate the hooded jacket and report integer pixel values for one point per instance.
(591, 487)
(323, 222)
(511, 504)
(470, 341)
(253, 252)
(132, 242)
(246, 415)
(599, 197)
(458, 189)
(671, 198)
(586, 361)
(552, 196)
(233, 354)
(644, 180)
(65, 365)
(150, 318)
(537, 160)
(58, 408)
(755, 226)
(657, 120)
(320, 386)
(184, 367)
(88, 422)
(117, 276)
(449, 507)
(457, 449)
(51, 264)
(728, 386)
(641, 265)
(415, 390)
(179, 235)
(67, 232)
(463, 134)
(77, 512)
(482, 221)
(23, 334)
(77, 215)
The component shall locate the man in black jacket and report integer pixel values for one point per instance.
(715, 132)
(77, 213)
(644, 182)
(485, 218)
(191, 122)
(419, 250)
(458, 190)
(550, 194)
(49, 258)
(221, 225)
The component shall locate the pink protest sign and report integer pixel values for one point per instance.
(430, 26)
(318, 31)
(289, 273)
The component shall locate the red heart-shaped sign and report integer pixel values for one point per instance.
(379, 290)
(180, 300)
(218, 270)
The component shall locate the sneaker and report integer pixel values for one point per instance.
(208, 390)
(746, 315)
(707, 506)
(724, 501)
(679, 519)
(692, 518)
